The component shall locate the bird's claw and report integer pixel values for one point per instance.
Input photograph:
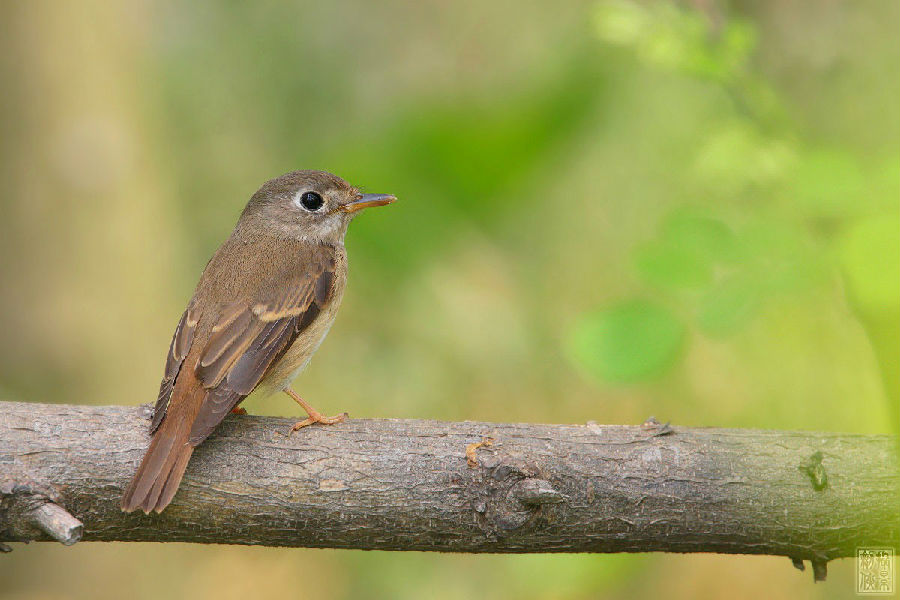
(319, 418)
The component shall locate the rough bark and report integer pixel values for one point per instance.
(427, 485)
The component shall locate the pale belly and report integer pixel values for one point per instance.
(295, 359)
(298, 355)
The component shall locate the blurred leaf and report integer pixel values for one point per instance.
(729, 306)
(885, 184)
(686, 252)
(702, 235)
(869, 252)
(621, 22)
(668, 265)
(783, 257)
(829, 183)
(737, 155)
(668, 36)
(766, 242)
(794, 274)
(473, 152)
(633, 341)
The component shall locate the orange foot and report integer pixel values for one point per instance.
(239, 410)
(314, 415)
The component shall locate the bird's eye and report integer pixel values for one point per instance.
(311, 201)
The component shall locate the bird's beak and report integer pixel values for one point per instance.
(367, 200)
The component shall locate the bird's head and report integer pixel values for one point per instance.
(313, 206)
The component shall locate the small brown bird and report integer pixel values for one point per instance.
(262, 306)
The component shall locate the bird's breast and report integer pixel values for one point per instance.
(308, 341)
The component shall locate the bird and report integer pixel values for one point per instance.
(262, 307)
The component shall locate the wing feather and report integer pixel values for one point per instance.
(226, 346)
(248, 340)
(178, 351)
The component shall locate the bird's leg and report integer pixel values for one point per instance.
(239, 410)
(314, 415)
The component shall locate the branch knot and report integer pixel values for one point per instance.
(513, 496)
(28, 510)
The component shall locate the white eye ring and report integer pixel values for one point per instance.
(309, 201)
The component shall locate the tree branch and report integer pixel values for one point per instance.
(457, 487)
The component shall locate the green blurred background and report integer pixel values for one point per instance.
(608, 210)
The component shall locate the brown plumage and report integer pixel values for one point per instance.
(261, 308)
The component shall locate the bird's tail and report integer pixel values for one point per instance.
(159, 475)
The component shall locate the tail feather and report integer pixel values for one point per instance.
(157, 478)
(174, 478)
(148, 471)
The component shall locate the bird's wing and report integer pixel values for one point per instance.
(250, 336)
(218, 357)
(178, 351)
